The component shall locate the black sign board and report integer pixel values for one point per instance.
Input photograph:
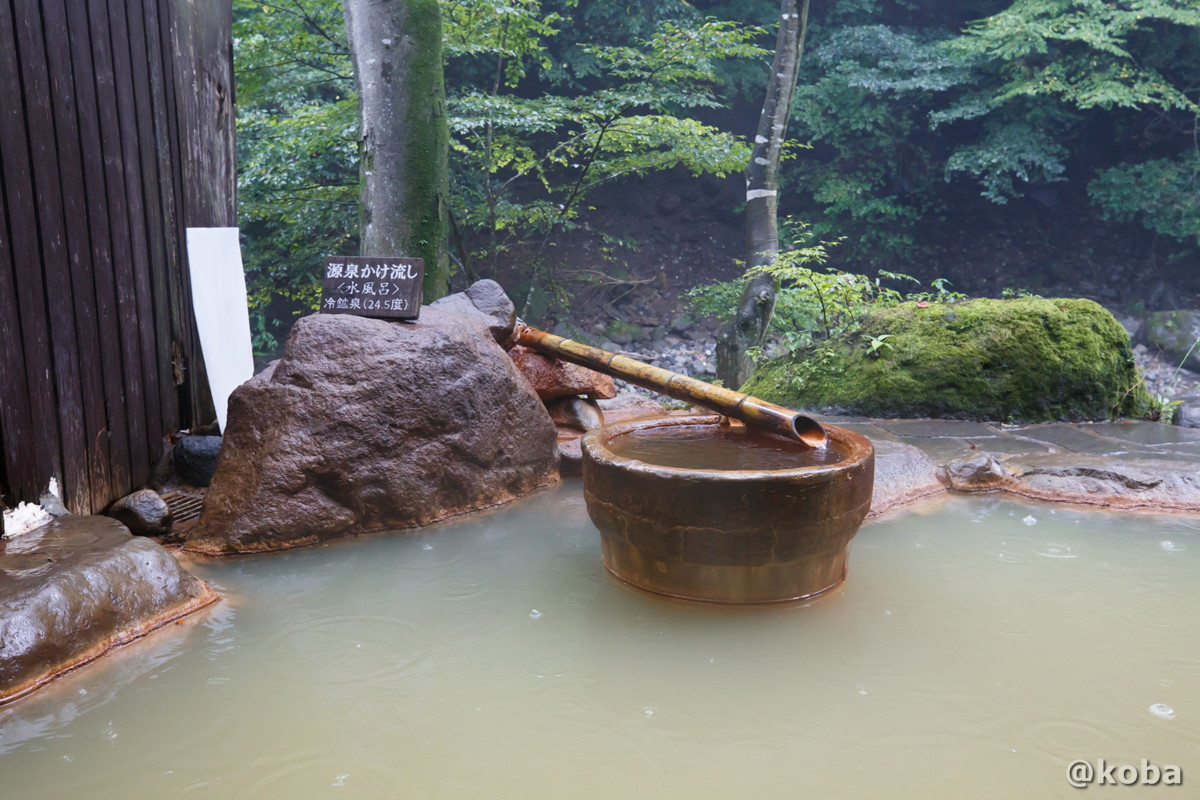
(373, 287)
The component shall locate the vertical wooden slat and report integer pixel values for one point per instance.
(54, 255)
(23, 467)
(131, 148)
(81, 287)
(38, 385)
(103, 288)
(205, 73)
(146, 100)
(16, 415)
(112, 156)
(6, 494)
(203, 67)
(170, 323)
(183, 327)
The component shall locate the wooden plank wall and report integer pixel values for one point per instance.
(116, 134)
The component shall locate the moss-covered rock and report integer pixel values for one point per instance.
(1027, 360)
(1176, 334)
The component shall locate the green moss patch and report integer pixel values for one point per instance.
(1024, 360)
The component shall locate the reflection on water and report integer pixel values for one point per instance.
(970, 654)
(723, 447)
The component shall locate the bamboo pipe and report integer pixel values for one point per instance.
(750, 410)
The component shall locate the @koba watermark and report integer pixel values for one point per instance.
(1082, 773)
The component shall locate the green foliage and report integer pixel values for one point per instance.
(297, 153)
(1162, 408)
(512, 34)
(814, 303)
(718, 300)
(523, 159)
(1040, 64)
(549, 100)
(1009, 152)
(1163, 194)
(525, 165)
(878, 345)
(1010, 293)
(865, 110)
(1083, 52)
(898, 97)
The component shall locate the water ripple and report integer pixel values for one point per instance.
(346, 649)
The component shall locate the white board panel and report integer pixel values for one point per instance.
(222, 312)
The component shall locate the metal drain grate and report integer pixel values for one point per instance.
(185, 508)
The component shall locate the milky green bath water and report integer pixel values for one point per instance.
(976, 649)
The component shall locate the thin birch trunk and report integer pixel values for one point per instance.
(748, 328)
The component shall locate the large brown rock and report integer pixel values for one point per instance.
(77, 587)
(552, 378)
(367, 424)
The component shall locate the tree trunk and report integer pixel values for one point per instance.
(748, 328)
(396, 47)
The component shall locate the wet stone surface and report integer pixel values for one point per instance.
(1009, 444)
(1069, 438)
(934, 429)
(1144, 433)
(77, 587)
(904, 474)
(1121, 465)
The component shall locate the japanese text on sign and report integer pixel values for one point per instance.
(373, 287)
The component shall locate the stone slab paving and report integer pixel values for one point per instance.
(938, 429)
(1144, 466)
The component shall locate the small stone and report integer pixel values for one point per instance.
(903, 474)
(195, 459)
(578, 413)
(629, 405)
(1161, 295)
(144, 512)
(1187, 414)
(682, 323)
(1132, 325)
(486, 301)
(979, 473)
(1175, 334)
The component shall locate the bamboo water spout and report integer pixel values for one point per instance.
(750, 410)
